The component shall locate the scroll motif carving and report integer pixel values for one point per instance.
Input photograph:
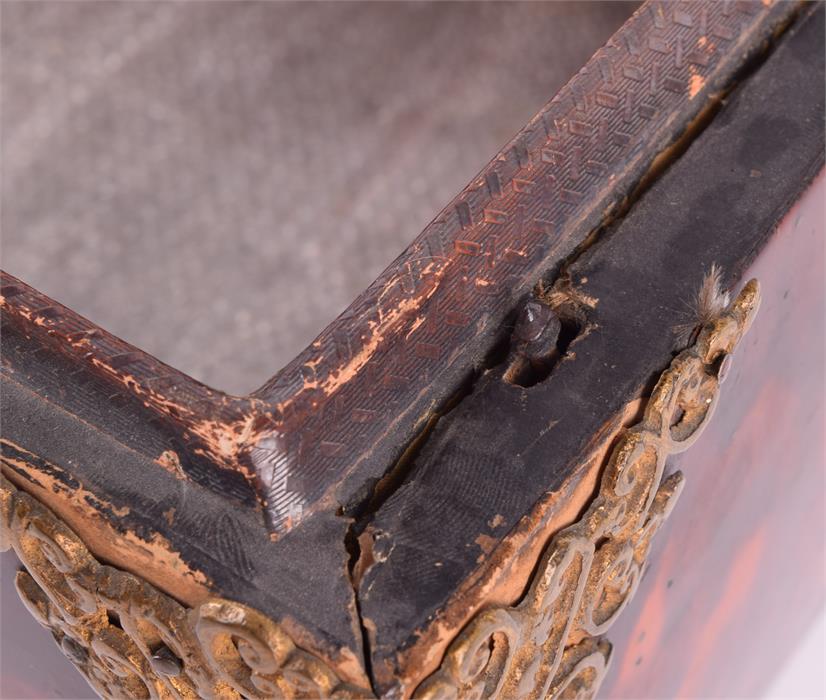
(550, 644)
(130, 640)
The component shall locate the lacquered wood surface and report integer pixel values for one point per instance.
(252, 497)
(738, 573)
(308, 573)
(502, 449)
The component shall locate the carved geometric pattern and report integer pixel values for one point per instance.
(458, 279)
(360, 383)
(551, 643)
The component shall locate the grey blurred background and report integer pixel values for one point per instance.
(215, 182)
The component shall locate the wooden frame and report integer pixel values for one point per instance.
(452, 427)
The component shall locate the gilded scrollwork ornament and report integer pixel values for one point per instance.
(129, 639)
(551, 643)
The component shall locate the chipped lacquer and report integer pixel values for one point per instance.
(128, 638)
(453, 491)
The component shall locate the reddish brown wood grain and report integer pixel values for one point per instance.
(738, 572)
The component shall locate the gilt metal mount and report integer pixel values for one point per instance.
(129, 639)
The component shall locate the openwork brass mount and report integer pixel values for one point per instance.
(551, 644)
(130, 640)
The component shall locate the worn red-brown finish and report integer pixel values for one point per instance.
(738, 572)
(318, 448)
(327, 425)
(397, 346)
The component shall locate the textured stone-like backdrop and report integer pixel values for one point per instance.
(215, 182)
